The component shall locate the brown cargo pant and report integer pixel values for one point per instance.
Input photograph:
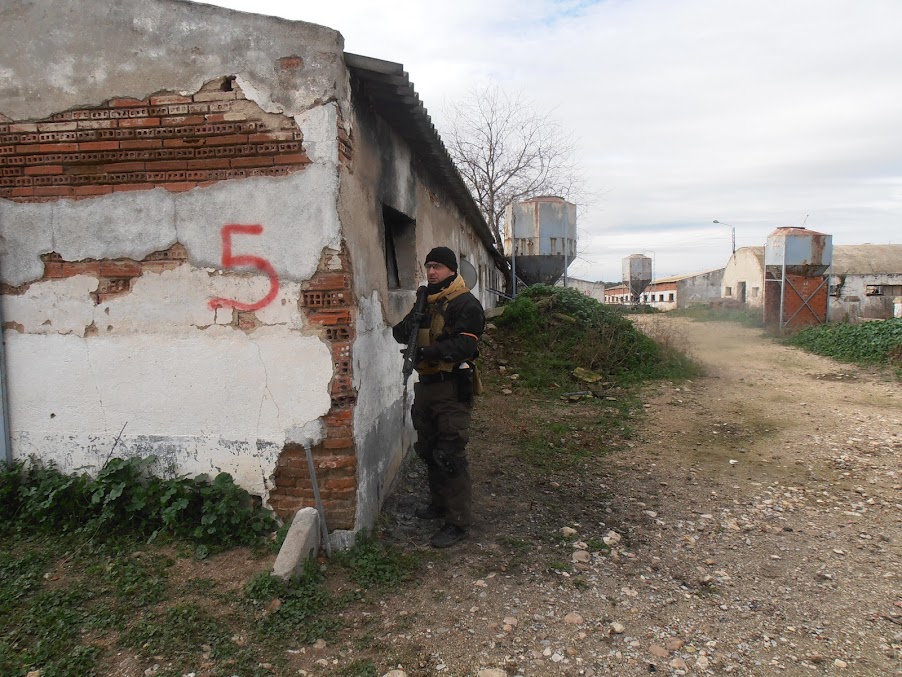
(442, 423)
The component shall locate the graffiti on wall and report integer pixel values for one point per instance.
(229, 260)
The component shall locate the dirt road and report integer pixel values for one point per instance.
(751, 525)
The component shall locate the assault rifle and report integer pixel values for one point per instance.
(410, 353)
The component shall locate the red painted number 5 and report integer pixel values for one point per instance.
(229, 261)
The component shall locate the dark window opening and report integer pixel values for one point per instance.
(874, 290)
(400, 239)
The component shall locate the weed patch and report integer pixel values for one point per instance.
(372, 563)
(125, 498)
(557, 330)
(299, 611)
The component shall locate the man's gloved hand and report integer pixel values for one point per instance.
(428, 354)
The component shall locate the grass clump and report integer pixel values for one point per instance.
(559, 329)
(868, 343)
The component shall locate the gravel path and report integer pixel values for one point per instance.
(751, 525)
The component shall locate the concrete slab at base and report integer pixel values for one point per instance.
(301, 543)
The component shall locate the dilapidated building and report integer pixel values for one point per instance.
(864, 280)
(673, 292)
(209, 222)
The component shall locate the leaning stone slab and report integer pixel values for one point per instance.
(301, 543)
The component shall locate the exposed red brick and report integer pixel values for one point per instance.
(88, 191)
(140, 144)
(330, 281)
(292, 159)
(166, 165)
(284, 473)
(179, 120)
(212, 163)
(121, 188)
(48, 148)
(44, 169)
(193, 142)
(338, 443)
(139, 122)
(337, 462)
(252, 162)
(125, 102)
(291, 62)
(330, 317)
(167, 99)
(228, 140)
(179, 186)
(123, 167)
(296, 492)
(338, 417)
(72, 268)
(53, 270)
(53, 191)
(98, 145)
(120, 269)
(340, 484)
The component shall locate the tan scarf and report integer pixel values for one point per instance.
(453, 290)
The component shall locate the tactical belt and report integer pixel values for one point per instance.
(428, 379)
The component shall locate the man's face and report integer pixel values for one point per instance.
(437, 272)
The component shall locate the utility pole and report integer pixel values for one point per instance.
(732, 231)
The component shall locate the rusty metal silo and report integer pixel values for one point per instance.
(637, 274)
(797, 262)
(540, 238)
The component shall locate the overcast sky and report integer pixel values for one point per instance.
(758, 113)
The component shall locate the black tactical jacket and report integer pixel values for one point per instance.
(464, 324)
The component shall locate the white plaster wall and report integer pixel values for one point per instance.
(377, 363)
(298, 214)
(200, 396)
(203, 396)
(378, 414)
(66, 53)
(855, 286)
(744, 266)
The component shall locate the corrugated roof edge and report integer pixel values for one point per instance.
(392, 92)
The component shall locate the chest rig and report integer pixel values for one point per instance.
(434, 321)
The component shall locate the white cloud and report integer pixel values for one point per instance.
(756, 113)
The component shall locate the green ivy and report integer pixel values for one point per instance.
(878, 342)
(126, 498)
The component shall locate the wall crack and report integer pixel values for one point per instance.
(266, 391)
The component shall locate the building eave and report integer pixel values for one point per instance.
(393, 96)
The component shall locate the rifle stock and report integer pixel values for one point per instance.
(410, 353)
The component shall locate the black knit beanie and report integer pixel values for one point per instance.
(444, 256)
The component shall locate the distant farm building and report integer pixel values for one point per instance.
(671, 293)
(863, 282)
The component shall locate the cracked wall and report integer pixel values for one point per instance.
(158, 247)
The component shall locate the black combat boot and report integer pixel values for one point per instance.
(448, 535)
(429, 512)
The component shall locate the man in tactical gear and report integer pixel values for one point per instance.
(447, 341)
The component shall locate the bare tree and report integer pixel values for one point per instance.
(506, 150)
